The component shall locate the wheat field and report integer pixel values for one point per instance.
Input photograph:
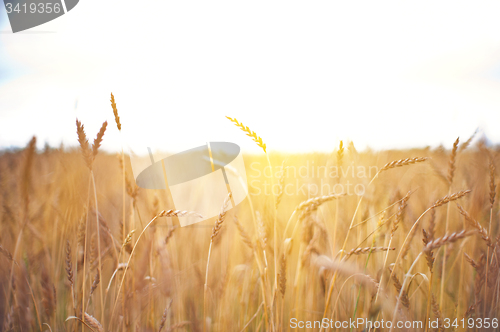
(377, 237)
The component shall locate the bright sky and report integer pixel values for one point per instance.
(302, 74)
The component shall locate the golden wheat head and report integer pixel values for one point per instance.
(250, 133)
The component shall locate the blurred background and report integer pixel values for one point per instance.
(301, 75)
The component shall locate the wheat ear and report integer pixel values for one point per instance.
(215, 231)
(450, 198)
(126, 266)
(84, 144)
(243, 233)
(451, 163)
(115, 113)
(93, 323)
(475, 224)
(361, 251)
(403, 162)
(453, 237)
(250, 133)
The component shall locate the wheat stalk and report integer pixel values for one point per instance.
(282, 275)
(93, 323)
(215, 231)
(250, 133)
(403, 297)
(437, 313)
(281, 186)
(475, 224)
(449, 178)
(492, 183)
(466, 144)
(450, 238)
(429, 255)
(450, 198)
(220, 219)
(6, 253)
(315, 202)
(164, 316)
(403, 162)
(451, 163)
(399, 214)
(98, 139)
(170, 233)
(84, 144)
(178, 213)
(340, 154)
(178, 326)
(126, 266)
(115, 113)
(361, 251)
(244, 235)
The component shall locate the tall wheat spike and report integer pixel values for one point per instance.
(250, 133)
(215, 231)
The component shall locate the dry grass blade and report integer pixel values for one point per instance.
(249, 133)
(403, 162)
(439, 242)
(115, 112)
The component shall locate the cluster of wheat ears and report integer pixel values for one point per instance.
(83, 248)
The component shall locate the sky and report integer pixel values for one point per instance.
(302, 75)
